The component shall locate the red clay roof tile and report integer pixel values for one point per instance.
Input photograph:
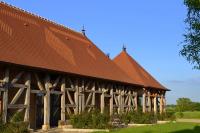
(28, 40)
(135, 71)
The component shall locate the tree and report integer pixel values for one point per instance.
(183, 104)
(191, 44)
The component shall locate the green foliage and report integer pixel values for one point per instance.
(15, 125)
(191, 47)
(93, 119)
(17, 117)
(183, 104)
(139, 118)
(195, 106)
(179, 114)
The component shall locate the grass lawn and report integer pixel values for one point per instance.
(165, 128)
(191, 115)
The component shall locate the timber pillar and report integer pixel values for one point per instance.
(5, 96)
(136, 101)
(111, 100)
(103, 99)
(164, 104)
(155, 104)
(144, 101)
(149, 101)
(46, 125)
(161, 104)
(63, 100)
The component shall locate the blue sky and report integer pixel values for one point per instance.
(151, 30)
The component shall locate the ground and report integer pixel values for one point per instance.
(190, 115)
(165, 128)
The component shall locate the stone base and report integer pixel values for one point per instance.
(65, 126)
(45, 127)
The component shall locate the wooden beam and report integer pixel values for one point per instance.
(136, 101)
(76, 97)
(18, 85)
(17, 106)
(83, 96)
(46, 125)
(56, 92)
(164, 104)
(56, 81)
(102, 104)
(40, 86)
(27, 97)
(161, 104)
(70, 82)
(88, 99)
(17, 95)
(63, 100)
(87, 85)
(38, 91)
(111, 100)
(119, 102)
(93, 96)
(79, 100)
(17, 77)
(149, 101)
(69, 97)
(70, 89)
(155, 105)
(5, 97)
(144, 101)
(122, 99)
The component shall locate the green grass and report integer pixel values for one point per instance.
(164, 128)
(191, 115)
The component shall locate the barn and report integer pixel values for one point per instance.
(48, 72)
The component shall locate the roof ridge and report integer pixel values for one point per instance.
(40, 17)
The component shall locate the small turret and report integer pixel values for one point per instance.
(83, 30)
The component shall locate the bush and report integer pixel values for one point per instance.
(139, 118)
(179, 114)
(15, 125)
(93, 119)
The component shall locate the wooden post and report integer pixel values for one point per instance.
(27, 98)
(63, 99)
(83, 96)
(111, 100)
(46, 125)
(155, 104)
(119, 101)
(149, 101)
(80, 100)
(102, 98)
(144, 101)
(93, 96)
(122, 99)
(161, 104)
(136, 101)
(129, 100)
(164, 104)
(5, 96)
(76, 94)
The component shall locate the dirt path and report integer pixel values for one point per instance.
(189, 120)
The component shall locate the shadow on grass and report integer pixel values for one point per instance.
(196, 129)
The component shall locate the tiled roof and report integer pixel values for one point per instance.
(29, 40)
(135, 71)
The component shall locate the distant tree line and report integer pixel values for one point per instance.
(184, 104)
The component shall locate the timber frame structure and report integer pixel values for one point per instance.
(74, 94)
(48, 72)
